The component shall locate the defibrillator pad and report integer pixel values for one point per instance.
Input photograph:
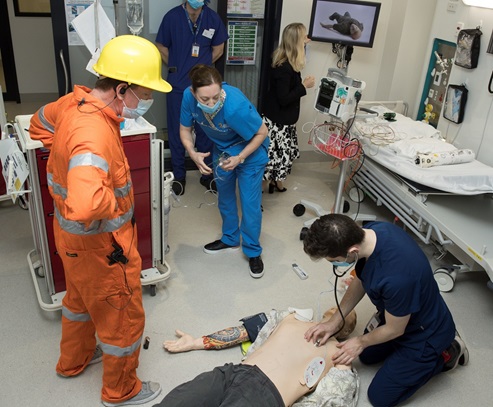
(305, 315)
(313, 371)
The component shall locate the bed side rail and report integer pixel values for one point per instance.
(419, 224)
(398, 106)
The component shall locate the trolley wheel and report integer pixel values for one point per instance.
(39, 272)
(444, 279)
(152, 288)
(356, 194)
(22, 202)
(303, 233)
(299, 209)
(346, 206)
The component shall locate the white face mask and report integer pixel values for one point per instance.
(141, 109)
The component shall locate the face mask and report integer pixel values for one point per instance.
(195, 4)
(345, 264)
(208, 109)
(341, 263)
(141, 109)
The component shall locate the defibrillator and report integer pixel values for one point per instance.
(338, 95)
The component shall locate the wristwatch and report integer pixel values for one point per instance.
(242, 160)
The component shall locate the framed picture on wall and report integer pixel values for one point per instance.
(32, 8)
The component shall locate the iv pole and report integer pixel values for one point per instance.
(96, 24)
(115, 6)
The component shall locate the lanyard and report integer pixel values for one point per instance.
(191, 25)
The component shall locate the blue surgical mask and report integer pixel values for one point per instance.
(141, 109)
(341, 263)
(345, 265)
(208, 109)
(195, 4)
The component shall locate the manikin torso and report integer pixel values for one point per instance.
(286, 350)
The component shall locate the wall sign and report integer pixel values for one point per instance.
(242, 43)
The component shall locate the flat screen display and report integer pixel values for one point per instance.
(344, 22)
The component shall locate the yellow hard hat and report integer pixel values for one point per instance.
(132, 59)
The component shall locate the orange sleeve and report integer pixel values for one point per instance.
(43, 123)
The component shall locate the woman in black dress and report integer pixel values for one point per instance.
(282, 108)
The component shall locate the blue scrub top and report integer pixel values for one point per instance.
(176, 34)
(234, 125)
(397, 277)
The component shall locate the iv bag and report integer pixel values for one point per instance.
(135, 16)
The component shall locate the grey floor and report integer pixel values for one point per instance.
(206, 293)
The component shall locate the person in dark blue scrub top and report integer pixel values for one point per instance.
(189, 34)
(239, 156)
(412, 332)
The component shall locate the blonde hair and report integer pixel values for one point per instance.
(291, 48)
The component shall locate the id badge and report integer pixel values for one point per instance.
(195, 50)
(374, 322)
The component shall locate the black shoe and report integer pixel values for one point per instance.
(219, 247)
(458, 353)
(178, 186)
(256, 267)
(209, 184)
(273, 186)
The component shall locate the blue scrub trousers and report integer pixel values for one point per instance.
(249, 177)
(403, 372)
(202, 143)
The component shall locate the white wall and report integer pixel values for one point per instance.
(476, 131)
(392, 69)
(395, 68)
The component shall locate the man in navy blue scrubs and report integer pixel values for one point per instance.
(413, 332)
(189, 34)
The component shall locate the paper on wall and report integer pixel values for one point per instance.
(85, 25)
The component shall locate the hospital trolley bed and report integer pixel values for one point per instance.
(448, 206)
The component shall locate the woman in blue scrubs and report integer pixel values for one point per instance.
(412, 333)
(239, 156)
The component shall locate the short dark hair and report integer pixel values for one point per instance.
(204, 75)
(104, 83)
(331, 236)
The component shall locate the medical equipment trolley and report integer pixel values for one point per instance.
(152, 187)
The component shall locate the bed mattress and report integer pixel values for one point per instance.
(395, 145)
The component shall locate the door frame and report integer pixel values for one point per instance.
(8, 60)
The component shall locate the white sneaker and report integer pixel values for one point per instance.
(96, 358)
(149, 391)
(459, 354)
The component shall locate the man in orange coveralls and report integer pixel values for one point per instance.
(95, 231)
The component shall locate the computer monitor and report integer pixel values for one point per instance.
(344, 22)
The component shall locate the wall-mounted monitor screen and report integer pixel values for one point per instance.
(345, 22)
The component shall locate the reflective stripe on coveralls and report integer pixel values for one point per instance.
(104, 225)
(47, 125)
(106, 348)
